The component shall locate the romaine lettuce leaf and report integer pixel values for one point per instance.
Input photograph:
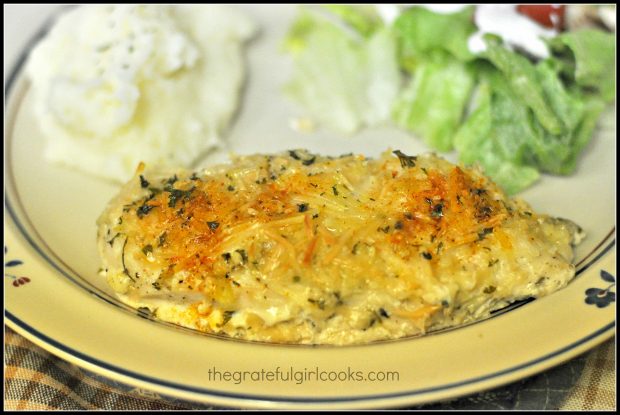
(433, 103)
(342, 79)
(506, 136)
(495, 136)
(433, 49)
(364, 19)
(521, 75)
(514, 117)
(588, 56)
(422, 32)
(559, 154)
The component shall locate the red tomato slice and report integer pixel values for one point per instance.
(549, 15)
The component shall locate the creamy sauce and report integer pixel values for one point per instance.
(515, 28)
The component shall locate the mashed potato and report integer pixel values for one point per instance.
(116, 85)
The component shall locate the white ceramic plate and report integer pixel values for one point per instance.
(63, 306)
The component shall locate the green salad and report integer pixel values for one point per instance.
(513, 115)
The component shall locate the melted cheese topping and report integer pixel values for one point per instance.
(306, 249)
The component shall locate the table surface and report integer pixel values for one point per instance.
(37, 380)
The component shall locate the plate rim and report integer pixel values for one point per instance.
(87, 362)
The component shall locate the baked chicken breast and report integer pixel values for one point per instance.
(299, 248)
